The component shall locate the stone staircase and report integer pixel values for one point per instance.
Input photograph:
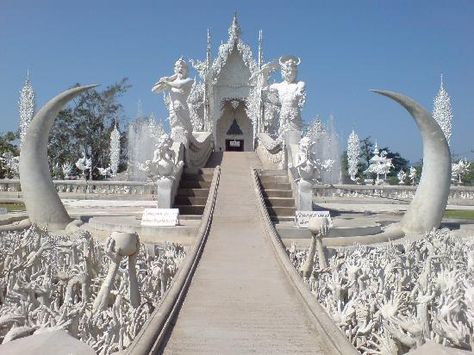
(193, 191)
(276, 190)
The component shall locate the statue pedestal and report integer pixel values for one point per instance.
(165, 192)
(304, 200)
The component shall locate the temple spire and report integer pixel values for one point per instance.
(234, 29)
(260, 48)
(208, 50)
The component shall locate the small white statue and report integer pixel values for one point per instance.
(305, 164)
(105, 171)
(459, 170)
(84, 164)
(164, 163)
(401, 176)
(412, 175)
(67, 170)
(309, 169)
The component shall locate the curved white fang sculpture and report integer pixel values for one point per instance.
(40, 196)
(427, 207)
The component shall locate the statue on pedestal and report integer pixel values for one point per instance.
(178, 87)
(308, 174)
(305, 164)
(83, 164)
(163, 168)
(164, 164)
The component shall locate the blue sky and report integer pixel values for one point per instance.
(346, 47)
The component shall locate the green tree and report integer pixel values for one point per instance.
(366, 152)
(8, 147)
(344, 167)
(63, 143)
(468, 179)
(85, 127)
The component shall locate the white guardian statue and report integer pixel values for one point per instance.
(290, 93)
(178, 86)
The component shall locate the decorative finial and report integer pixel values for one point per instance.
(234, 30)
(442, 83)
(260, 48)
(208, 49)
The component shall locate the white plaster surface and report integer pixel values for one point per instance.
(240, 300)
(52, 342)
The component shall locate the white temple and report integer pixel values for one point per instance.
(227, 93)
(233, 100)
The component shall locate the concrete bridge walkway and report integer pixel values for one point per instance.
(240, 300)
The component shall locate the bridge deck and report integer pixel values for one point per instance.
(240, 300)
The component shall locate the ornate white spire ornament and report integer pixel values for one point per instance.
(26, 106)
(353, 153)
(459, 170)
(442, 111)
(234, 29)
(316, 129)
(260, 49)
(208, 51)
(379, 164)
(114, 149)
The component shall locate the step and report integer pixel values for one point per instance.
(189, 217)
(268, 193)
(275, 186)
(194, 184)
(196, 192)
(280, 201)
(274, 179)
(196, 177)
(272, 173)
(279, 219)
(190, 210)
(281, 211)
(201, 171)
(190, 200)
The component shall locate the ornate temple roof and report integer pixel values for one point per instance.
(225, 49)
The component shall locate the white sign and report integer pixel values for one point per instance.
(234, 143)
(302, 217)
(3, 210)
(160, 217)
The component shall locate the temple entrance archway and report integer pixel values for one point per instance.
(234, 130)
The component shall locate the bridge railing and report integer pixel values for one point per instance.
(83, 189)
(145, 190)
(457, 194)
(153, 336)
(325, 325)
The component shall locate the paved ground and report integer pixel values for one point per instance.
(240, 301)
